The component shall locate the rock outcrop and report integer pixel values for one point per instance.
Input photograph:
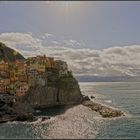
(16, 112)
(57, 91)
(104, 111)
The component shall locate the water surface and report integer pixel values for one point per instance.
(81, 122)
(125, 96)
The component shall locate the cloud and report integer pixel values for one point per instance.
(48, 35)
(72, 43)
(22, 41)
(55, 42)
(113, 61)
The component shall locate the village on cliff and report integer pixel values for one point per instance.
(38, 82)
(17, 77)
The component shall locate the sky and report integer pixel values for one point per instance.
(95, 38)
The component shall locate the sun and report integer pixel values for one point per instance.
(67, 10)
(70, 6)
(63, 5)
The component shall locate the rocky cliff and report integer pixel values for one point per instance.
(57, 91)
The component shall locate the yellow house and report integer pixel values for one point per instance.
(13, 75)
(18, 71)
(41, 68)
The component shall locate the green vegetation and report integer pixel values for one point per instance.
(8, 54)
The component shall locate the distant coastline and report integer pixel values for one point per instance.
(108, 78)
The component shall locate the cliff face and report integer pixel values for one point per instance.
(57, 91)
(8, 54)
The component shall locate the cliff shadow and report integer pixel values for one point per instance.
(52, 111)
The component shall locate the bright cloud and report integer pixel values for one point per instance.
(55, 42)
(23, 42)
(114, 61)
(71, 43)
(48, 35)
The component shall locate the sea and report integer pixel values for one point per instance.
(124, 96)
(81, 122)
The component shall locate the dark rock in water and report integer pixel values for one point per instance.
(107, 112)
(21, 107)
(92, 97)
(45, 118)
(21, 117)
(25, 117)
(85, 98)
(19, 112)
(5, 109)
(103, 110)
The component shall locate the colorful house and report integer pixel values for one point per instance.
(22, 89)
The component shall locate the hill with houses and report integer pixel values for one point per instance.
(35, 82)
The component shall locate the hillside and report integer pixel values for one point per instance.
(8, 54)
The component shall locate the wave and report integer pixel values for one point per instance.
(108, 101)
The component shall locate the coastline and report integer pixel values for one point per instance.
(88, 122)
(76, 121)
(104, 110)
(97, 126)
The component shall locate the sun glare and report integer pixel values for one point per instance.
(66, 6)
(67, 10)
